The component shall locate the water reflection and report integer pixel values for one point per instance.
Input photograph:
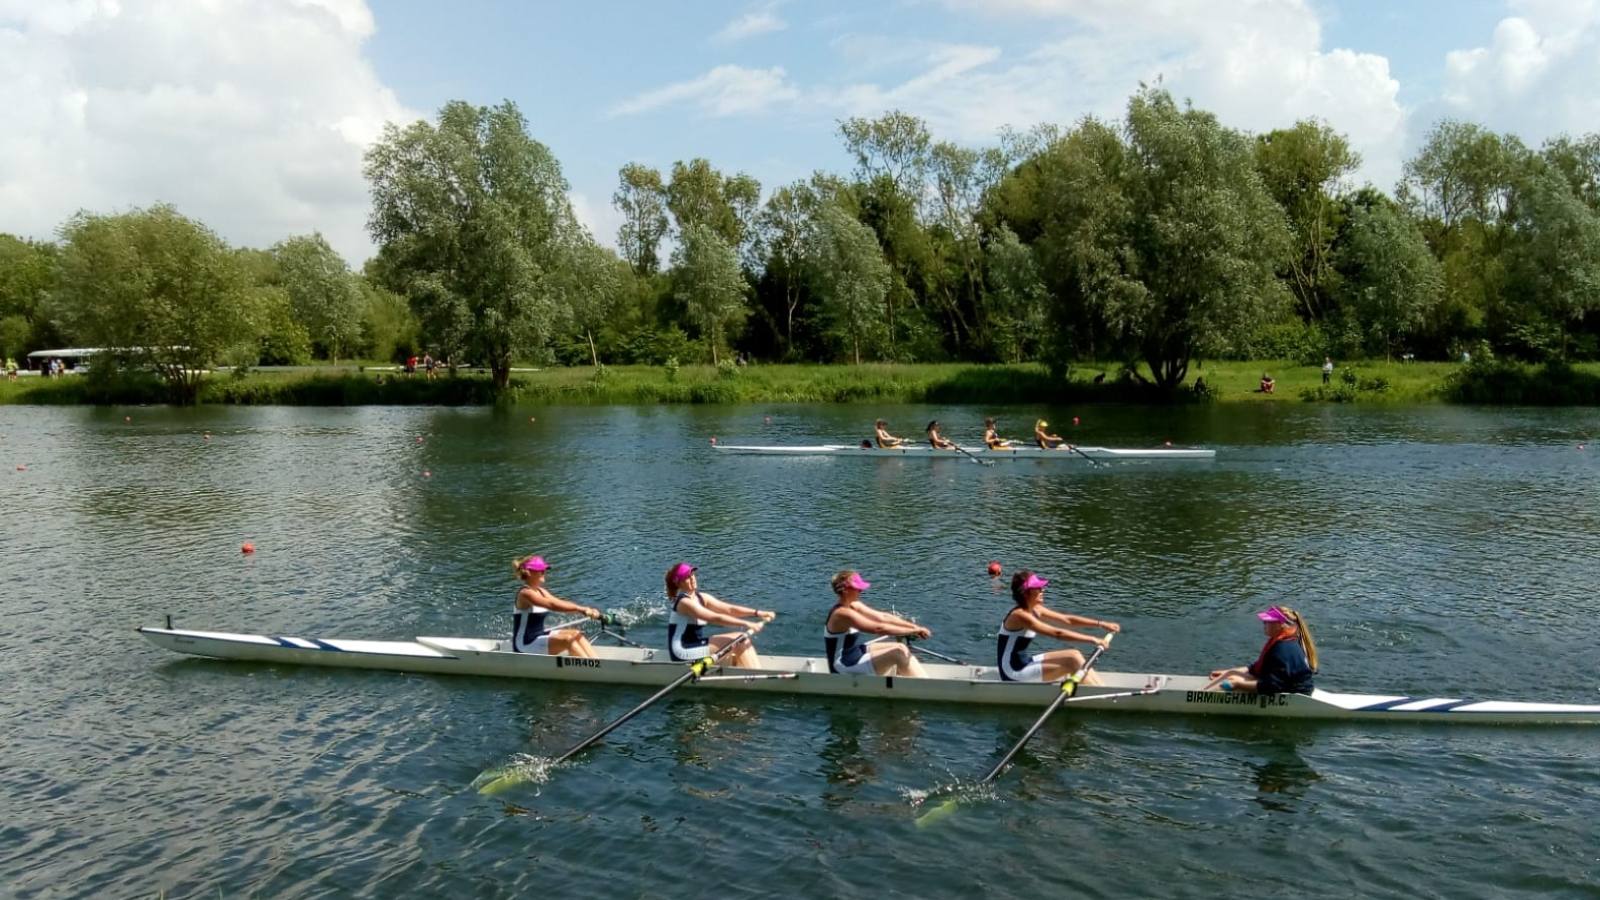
(853, 757)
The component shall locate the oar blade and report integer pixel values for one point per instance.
(519, 772)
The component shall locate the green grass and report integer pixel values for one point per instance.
(1227, 382)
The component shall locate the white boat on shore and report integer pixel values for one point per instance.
(925, 451)
(980, 685)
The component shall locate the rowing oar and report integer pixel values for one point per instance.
(935, 654)
(1092, 461)
(696, 669)
(969, 455)
(1069, 686)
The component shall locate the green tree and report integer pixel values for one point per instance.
(850, 278)
(708, 281)
(474, 227)
(322, 292)
(598, 284)
(783, 231)
(1018, 298)
(1167, 234)
(389, 329)
(1392, 281)
(27, 277)
(1552, 262)
(700, 195)
(1302, 167)
(163, 289)
(641, 197)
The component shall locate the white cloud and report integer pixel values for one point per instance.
(1537, 74)
(602, 219)
(723, 91)
(751, 24)
(1258, 64)
(250, 115)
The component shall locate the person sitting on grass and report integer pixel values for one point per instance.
(1267, 384)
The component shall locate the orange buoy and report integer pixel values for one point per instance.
(994, 569)
(247, 548)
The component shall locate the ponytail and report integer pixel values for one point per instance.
(1303, 634)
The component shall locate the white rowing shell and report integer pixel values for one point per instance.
(922, 450)
(946, 683)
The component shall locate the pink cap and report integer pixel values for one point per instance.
(857, 582)
(1272, 614)
(536, 564)
(682, 571)
(1034, 583)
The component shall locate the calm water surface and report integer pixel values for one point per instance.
(1439, 551)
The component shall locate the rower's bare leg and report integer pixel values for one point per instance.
(895, 659)
(745, 657)
(570, 642)
(1059, 664)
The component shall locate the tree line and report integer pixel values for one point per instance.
(1157, 240)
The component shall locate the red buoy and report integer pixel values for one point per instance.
(247, 548)
(713, 440)
(1074, 420)
(419, 438)
(994, 569)
(21, 467)
(426, 474)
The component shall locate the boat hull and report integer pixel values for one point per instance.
(924, 452)
(973, 685)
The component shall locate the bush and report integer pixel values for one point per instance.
(1555, 383)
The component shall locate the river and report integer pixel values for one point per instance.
(1436, 551)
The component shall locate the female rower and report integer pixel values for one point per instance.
(534, 603)
(937, 440)
(885, 440)
(693, 609)
(992, 438)
(1043, 437)
(850, 619)
(1030, 618)
(1286, 664)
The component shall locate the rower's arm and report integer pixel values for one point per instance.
(732, 609)
(1083, 621)
(557, 604)
(711, 609)
(1043, 626)
(879, 622)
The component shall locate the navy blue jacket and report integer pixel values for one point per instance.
(1284, 670)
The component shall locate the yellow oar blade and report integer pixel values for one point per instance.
(523, 770)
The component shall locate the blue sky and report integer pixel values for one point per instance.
(252, 115)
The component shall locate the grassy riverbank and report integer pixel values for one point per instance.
(1226, 382)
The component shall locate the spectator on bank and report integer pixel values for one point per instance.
(11, 369)
(411, 364)
(1327, 369)
(1267, 384)
(428, 364)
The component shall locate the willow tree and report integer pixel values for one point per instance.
(708, 281)
(162, 289)
(1164, 230)
(474, 227)
(850, 277)
(323, 293)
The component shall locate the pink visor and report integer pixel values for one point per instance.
(1272, 614)
(857, 582)
(1034, 583)
(536, 564)
(682, 571)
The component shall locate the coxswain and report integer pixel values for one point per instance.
(1028, 619)
(885, 440)
(694, 609)
(534, 604)
(847, 623)
(1287, 662)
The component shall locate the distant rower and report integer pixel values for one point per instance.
(937, 440)
(534, 604)
(1286, 664)
(1029, 618)
(1043, 437)
(850, 619)
(693, 609)
(886, 440)
(992, 438)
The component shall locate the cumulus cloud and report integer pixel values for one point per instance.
(1536, 76)
(250, 115)
(723, 91)
(751, 24)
